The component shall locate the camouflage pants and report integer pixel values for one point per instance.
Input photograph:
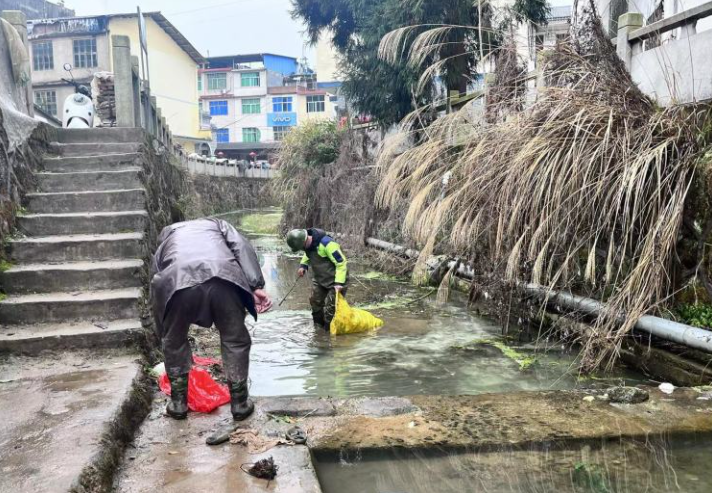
(323, 305)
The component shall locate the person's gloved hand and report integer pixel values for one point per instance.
(301, 272)
(338, 288)
(262, 302)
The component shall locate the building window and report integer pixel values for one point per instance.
(315, 104)
(281, 132)
(47, 100)
(200, 82)
(42, 56)
(221, 135)
(250, 134)
(251, 106)
(282, 105)
(250, 79)
(217, 82)
(85, 53)
(218, 108)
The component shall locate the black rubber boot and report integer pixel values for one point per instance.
(178, 407)
(240, 406)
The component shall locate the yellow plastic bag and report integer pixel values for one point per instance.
(348, 320)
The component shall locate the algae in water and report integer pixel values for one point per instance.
(261, 223)
(525, 362)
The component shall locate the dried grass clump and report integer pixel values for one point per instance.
(583, 190)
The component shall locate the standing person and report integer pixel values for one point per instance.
(204, 272)
(329, 270)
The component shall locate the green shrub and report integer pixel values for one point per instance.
(697, 315)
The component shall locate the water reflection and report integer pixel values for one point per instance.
(422, 349)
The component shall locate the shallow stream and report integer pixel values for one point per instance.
(423, 348)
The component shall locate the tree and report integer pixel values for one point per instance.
(384, 90)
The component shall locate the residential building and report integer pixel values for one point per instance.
(235, 91)
(327, 62)
(37, 9)
(85, 43)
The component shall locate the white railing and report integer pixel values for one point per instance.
(202, 165)
(668, 59)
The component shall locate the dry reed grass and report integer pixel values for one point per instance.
(584, 189)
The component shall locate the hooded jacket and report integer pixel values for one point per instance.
(193, 252)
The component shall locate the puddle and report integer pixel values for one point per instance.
(423, 348)
(631, 466)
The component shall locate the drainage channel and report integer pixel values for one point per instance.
(425, 349)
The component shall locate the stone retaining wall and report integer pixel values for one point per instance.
(216, 194)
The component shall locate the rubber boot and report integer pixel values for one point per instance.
(178, 407)
(240, 406)
(318, 319)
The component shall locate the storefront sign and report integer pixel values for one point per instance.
(281, 119)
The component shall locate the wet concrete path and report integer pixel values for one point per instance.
(54, 414)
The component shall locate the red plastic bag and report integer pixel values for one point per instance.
(204, 393)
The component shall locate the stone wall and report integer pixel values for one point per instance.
(17, 164)
(215, 195)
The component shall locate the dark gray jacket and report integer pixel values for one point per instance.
(193, 252)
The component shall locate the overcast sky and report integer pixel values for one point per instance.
(219, 27)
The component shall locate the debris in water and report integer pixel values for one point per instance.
(589, 398)
(263, 469)
(627, 395)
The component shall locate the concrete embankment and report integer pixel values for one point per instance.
(174, 456)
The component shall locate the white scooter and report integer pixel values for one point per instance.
(78, 109)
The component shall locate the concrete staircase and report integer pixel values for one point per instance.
(74, 278)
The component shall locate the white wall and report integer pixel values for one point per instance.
(679, 71)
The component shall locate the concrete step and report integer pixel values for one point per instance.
(99, 135)
(108, 162)
(94, 201)
(74, 248)
(71, 276)
(93, 149)
(46, 308)
(81, 181)
(33, 339)
(82, 223)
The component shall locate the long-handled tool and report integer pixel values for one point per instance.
(290, 291)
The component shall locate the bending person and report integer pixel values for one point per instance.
(204, 272)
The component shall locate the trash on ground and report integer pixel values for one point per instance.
(221, 435)
(349, 320)
(263, 469)
(296, 435)
(204, 393)
(255, 443)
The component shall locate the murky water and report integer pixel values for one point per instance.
(654, 465)
(423, 348)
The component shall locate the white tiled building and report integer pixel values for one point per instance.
(255, 100)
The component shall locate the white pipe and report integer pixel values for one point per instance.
(665, 329)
